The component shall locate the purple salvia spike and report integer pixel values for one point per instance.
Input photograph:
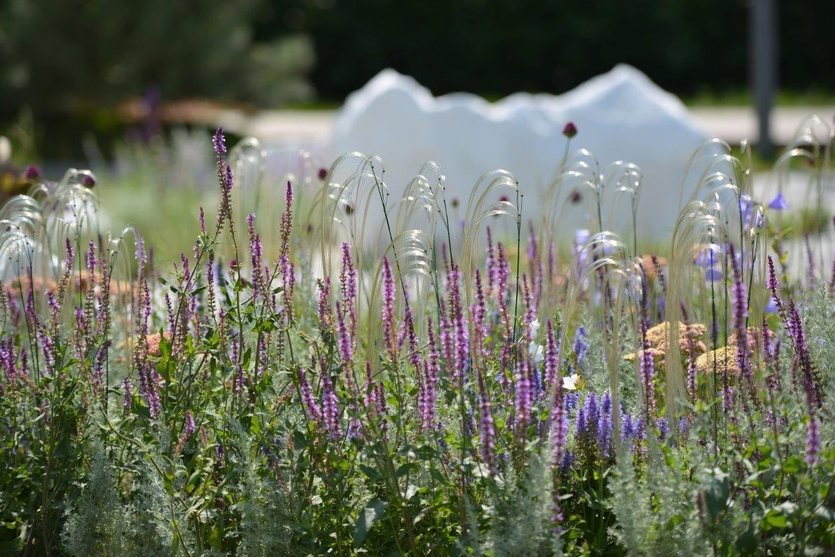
(488, 432)
(348, 283)
(127, 388)
(414, 350)
(219, 142)
(314, 413)
(459, 324)
(388, 311)
(368, 388)
(330, 409)
(287, 220)
(479, 313)
(255, 249)
(559, 412)
(773, 286)
(524, 395)
(490, 266)
(530, 308)
(189, 425)
(811, 380)
(428, 400)
(324, 309)
(202, 219)
(740, 308)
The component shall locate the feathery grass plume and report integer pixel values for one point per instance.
(577, 171)
(699, 228)
(343, 204)
(816, 136)
(618, 179)
(480, 207)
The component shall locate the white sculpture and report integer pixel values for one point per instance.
(620, 115)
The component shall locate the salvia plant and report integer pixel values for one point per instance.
(449, 382)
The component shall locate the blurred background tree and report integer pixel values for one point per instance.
(496, 47)
(69, 54)
(69, 63)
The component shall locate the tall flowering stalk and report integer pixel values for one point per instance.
(330, 409)
(288, 273)
(225, 178)
(459, 325)
(646, 366)
(428, 387)
(558, 418)
(487, 429)
(739, 294)
(389, 327)
(348, 286)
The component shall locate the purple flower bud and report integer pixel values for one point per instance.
(88, 181)
(32, 174)
(570, 130)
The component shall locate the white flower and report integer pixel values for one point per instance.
(533, 327)
(536, 353)
(570, 383)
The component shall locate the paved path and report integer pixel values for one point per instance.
(732, 124)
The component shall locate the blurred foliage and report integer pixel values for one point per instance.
(81, 56)
(497, 47)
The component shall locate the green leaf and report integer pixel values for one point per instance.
(372, 512)
(372, 474)
(776, 520)
(717, 489)
(404, 469)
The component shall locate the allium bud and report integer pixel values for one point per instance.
(32, 174)
(570, 130)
